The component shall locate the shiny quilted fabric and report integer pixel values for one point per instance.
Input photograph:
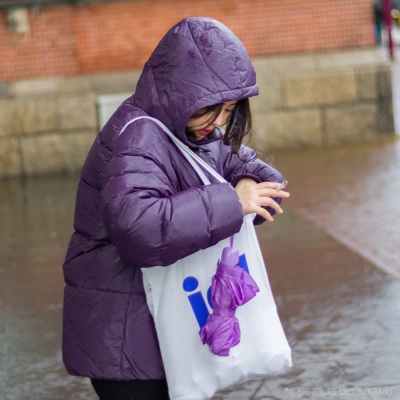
(140, 204)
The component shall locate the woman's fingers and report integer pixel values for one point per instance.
(268, 185)
(264, 213)
(257, 196)
(271, 192)
(268, 202)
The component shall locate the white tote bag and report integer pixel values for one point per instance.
(179, 300)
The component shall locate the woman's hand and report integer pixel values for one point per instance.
(253, 196)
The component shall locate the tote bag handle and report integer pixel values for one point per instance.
(194, 160)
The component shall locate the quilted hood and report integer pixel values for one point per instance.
(198, 63)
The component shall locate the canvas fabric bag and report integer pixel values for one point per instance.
(177, 296)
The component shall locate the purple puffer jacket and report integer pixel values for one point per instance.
(140, 204)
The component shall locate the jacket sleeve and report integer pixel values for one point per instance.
(249, 166)
(152, 223)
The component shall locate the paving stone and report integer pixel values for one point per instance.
(245, 391)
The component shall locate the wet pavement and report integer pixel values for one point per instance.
(333, 259)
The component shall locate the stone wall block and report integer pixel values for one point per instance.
(384, 122)
(27, 116)
(367, 85)
(100, 83)
(122, 82)
(352, 124)
(384, 83)
(319, 90)
(56, 152)
(374, 84)
(348, 58)
(10, 158)
(283, 64)
(293, 129)
(7, 123)
(77, 111)
(4, 89)
(270, 95)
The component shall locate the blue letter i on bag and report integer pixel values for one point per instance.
(196, 299)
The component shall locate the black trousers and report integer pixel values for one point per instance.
(154, 389)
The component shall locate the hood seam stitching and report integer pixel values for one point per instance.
(204, 61)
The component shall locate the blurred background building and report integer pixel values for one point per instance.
(66, 63)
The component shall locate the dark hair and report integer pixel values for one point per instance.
(238, 124)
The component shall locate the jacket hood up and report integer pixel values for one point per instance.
(140, 203)
(198, 63)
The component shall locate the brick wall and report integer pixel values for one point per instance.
(85, 39)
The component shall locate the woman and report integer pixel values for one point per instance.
(140, 204)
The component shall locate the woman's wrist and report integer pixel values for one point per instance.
(245, 182)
